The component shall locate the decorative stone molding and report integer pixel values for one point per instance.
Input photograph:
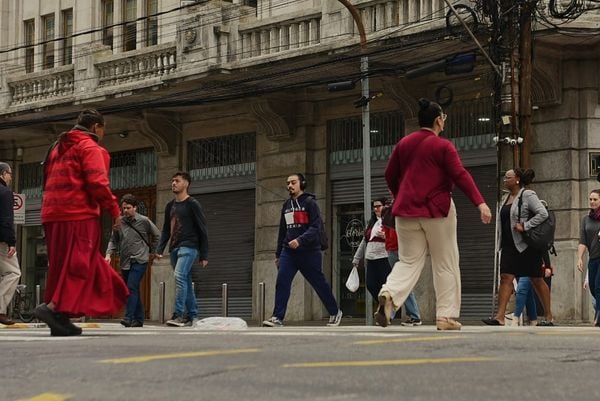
(162, 129)
(546, 84)
(405, 97)
(275, 122)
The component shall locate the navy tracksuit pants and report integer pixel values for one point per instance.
(309, 263)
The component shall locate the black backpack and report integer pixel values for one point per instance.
(323, 235)
(323, 238)
(541, 237)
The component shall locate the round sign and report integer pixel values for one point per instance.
(354, 233)
(17, 202)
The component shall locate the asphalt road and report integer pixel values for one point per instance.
(301, 363)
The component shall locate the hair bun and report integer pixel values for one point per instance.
(424, 103)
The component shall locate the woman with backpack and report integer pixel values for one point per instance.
(521, 211)
(589, 240)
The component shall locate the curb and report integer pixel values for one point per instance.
(44, 325)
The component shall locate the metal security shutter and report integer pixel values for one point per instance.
(33, 212)
(230, 218)
(476, 246)
(351, 190)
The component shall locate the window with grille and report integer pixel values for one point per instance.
(344, 137)
(132, 169)
(151, 23)
(29, 30)
(67, 32)
(47, 38)
(226, 156)
(30, 180)
(107, 22)
(130, 28)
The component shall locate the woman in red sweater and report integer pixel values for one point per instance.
(76, 187)
(421, 173)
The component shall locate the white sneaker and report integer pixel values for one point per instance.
(335, 320)
(273, 322)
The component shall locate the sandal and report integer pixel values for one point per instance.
(445, 323)
(492, 322)
(547, 323)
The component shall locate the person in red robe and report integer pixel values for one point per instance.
(76, 187)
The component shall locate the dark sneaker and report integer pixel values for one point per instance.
(125, 323)
(273, 322)
(136, 323)
(335, 320)
(65, 321)
(43, 313)
(411, 322)
(179, 321)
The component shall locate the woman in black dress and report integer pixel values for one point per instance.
(517, 258)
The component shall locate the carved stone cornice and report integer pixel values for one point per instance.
(546, 84)
(404, 96)
(273, 119)
(162, 129)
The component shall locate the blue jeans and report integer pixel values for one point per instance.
(412, 309)
(182, 259)
(525, 298)
(594, 283)
(309, 265)
(134, 310)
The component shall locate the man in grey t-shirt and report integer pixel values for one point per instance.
(135, 242)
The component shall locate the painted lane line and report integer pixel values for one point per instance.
(149, 358)
(48, 397)
(410, 339)
(422, 361)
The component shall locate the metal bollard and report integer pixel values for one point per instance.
(261, 303)
(38, 296)
(224, 299)
(161, 302)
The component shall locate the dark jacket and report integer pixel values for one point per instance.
(186, 227)
(7, 215)
(301, 220)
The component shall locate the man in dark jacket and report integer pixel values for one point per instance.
(299, 249)
(9, 264)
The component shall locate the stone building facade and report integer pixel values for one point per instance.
(236, 93)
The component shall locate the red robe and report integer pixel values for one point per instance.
(76, 186)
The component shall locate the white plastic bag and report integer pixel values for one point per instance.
(221, 323)
(353, 280)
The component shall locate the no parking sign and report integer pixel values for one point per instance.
(19, 208)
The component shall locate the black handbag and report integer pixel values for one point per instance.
(540, 237)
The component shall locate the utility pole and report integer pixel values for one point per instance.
(525, 77)
(366, 139)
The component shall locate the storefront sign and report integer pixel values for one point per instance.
(19, 208)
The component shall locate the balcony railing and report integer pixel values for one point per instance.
(42, 86)
(278, 37)
(141, 65)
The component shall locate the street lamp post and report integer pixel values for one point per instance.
(366, 139)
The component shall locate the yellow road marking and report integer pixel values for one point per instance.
(149, 358)
(48, 397)
(89, 325)
(16, 326)
(388, 362)
(409, 339)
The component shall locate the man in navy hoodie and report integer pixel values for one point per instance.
(299, 249)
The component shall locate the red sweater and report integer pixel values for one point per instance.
(422, 175)
(76, 181)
